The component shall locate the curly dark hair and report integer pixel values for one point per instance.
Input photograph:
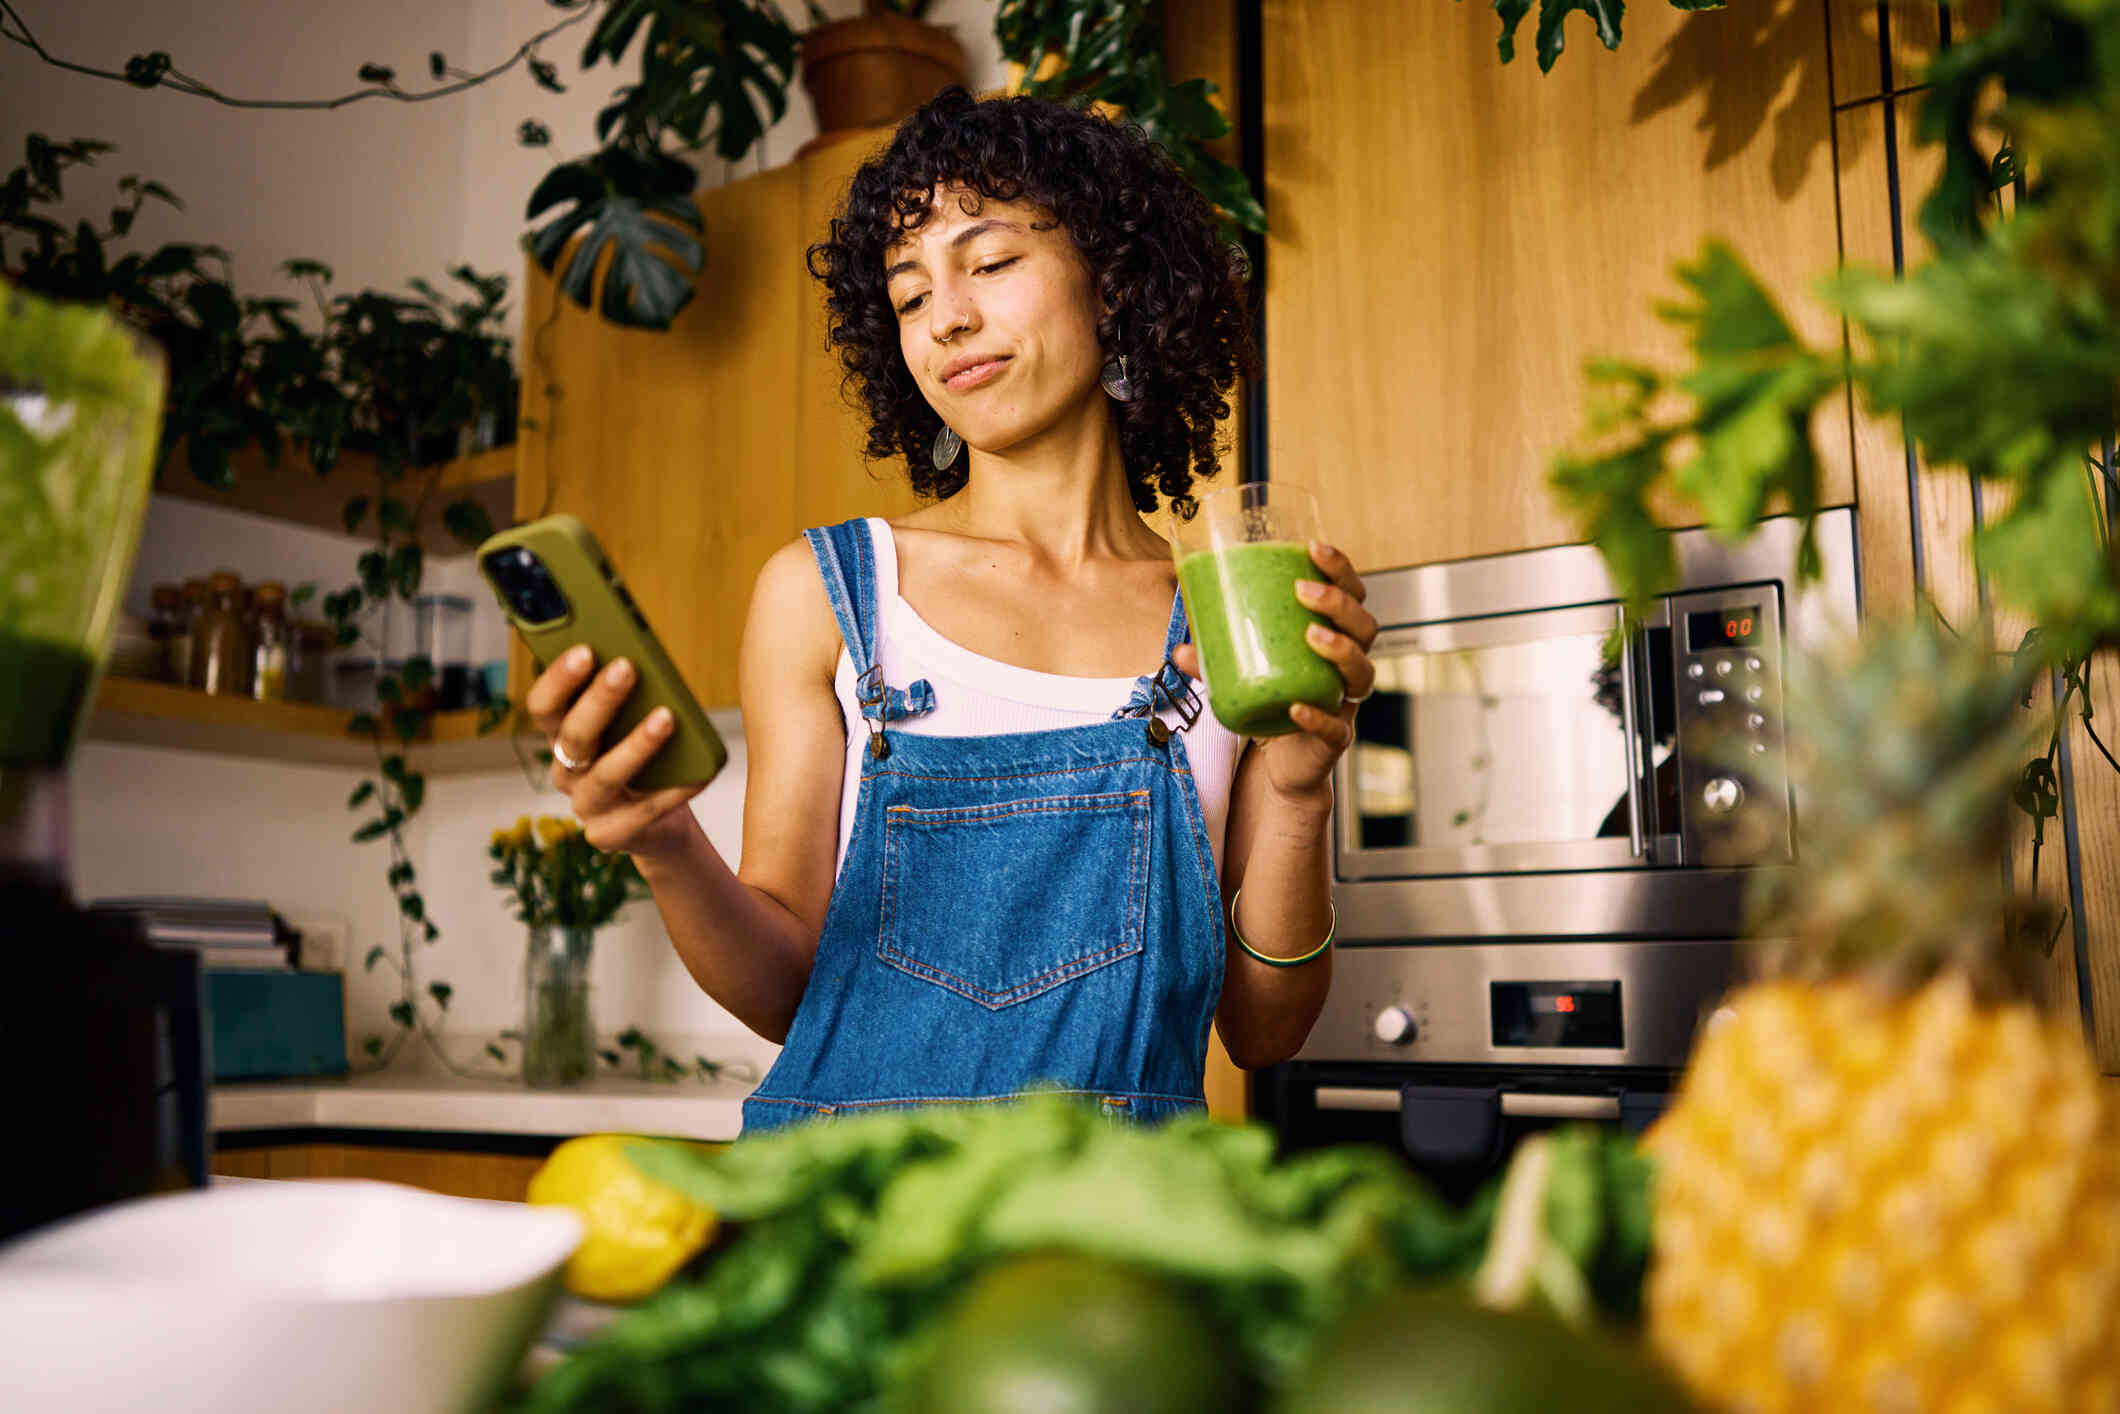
(1176, 292)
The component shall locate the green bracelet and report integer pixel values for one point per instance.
(1282, 961)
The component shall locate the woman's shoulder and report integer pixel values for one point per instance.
(791, 615)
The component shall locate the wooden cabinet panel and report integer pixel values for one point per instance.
(1452, 237)
(676, 446)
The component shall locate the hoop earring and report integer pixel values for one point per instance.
(1117, 383)
(947, 447)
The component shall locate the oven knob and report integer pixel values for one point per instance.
(1722, 795)
(1394, 1026)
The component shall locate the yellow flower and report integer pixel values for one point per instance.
(552, 828)
(519, 837)
(500, 839)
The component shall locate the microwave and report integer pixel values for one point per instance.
(1513, 776)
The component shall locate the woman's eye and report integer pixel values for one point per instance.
(992, 266)
(912, 304)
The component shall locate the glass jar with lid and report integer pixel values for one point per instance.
(221, 644)
(270, 646)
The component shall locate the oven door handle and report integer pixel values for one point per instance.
(1631, 728)
(1516, 1104)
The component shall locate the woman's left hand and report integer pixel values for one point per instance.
(1299, 764)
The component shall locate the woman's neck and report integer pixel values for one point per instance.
(1062, 492)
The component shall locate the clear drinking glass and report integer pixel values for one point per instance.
(1240, 554)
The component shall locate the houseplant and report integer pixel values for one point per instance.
(715, 73)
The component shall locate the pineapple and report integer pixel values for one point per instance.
(1889, 1182)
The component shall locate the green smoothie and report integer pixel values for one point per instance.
(80, 401)
(1249, 626)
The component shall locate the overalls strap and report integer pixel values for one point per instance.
(847, 560)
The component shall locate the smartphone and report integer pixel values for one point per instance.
(558, 588)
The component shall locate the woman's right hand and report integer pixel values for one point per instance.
(573, 704)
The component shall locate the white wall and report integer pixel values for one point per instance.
(381, 191)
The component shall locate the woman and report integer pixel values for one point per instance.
(1028, 883)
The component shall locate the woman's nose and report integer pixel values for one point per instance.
(950, 309)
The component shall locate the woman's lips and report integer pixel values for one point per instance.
(977, 374)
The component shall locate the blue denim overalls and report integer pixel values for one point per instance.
(1039, 908)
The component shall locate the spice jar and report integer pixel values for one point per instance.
(220, 640)
(309, 646)
(445, 641)
(192, 594)
(166, 609)
(268, 676)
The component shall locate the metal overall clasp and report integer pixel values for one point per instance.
(870, 692)
(1183, 704)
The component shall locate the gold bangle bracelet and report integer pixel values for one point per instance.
(1334, 927)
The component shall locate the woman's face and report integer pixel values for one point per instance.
(997, 318)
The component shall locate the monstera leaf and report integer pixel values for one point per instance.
(1606, 14)
(639, 206)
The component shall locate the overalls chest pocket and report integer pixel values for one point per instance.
(1002, 901)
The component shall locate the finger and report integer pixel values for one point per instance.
(556, 688)
(1187, 659)
(606, 781)
(1334, 729)
(1338, 568)
(1358, 674)
(581, 731)
(1345, 611)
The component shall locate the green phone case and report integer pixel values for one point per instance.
(601, 613)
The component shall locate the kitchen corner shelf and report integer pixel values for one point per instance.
(142, 713)
(292, 491)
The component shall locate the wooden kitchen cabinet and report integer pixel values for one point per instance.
(1450, 238)
(696, 452)
(459, 1173)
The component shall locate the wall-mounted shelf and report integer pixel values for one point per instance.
(143, 713)
(292, 490)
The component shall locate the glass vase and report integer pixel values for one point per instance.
(558, 1043)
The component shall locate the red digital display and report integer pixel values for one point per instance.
(1735, 627)
(1564, 1003)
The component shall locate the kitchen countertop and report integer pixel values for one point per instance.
(419, 1094)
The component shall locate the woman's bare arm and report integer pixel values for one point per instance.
(1278, 855)
(747, 936)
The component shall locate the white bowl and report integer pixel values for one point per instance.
(311, 1296)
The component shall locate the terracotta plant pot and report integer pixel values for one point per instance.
(875, 69)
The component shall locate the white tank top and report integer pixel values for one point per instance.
(979, 696)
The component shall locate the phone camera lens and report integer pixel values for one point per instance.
(526, 585)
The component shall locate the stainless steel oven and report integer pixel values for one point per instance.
(1535, 839)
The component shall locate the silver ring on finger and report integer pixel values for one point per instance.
(559, 754)
(1346, 701)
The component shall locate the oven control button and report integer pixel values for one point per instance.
(1696, 671)
(1394, 1026)
(1722, 795)
(1757, 721)
(1724, 667)
(1709, 696)
(1754, 693)
(1752, 665)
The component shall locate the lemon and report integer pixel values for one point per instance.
(639, 1230)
